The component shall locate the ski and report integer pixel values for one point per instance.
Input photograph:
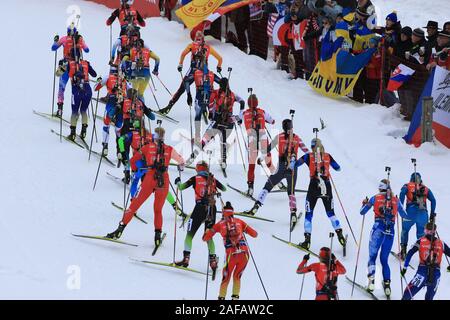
(172, 265)
(243, 214)
(398, 258)
(104, 238)
(362, 288)
(285, 190)
(186, 166)
(241, 192)
(224, 172)
(165, 117)
(67, 139)
(115, 205)
(296, 246)
(98, 154)
(49, 116)
(117, 179)
(163, 236)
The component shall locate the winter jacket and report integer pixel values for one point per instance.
(401, 47)
(416, 52)
(373, 68)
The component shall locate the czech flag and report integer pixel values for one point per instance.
(399, 76)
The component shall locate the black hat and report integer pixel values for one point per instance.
(362, 13)
(432, 24)
(419, 33)
(407, 31)
(444, 34)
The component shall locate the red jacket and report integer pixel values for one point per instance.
(373, 69)
(321, 271)
(232, 231)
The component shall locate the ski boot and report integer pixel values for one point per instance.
(127, 177)
(59, 112)
(157, 237)
(117, 233)
(167, 109)
(341, 237)
(387, 288)
(178, 210)
(185, 262)
(72, 134)
(83, 131)
(402, 254)
(307, 243)
(293, 218)
(105, 149)
(371, 285)
(234, 297)
(213, 262)
(255, 208)
(250, 188)
(221, 298)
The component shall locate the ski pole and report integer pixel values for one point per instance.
(98, 170)
(240, 149)
(192, 134)
(357, 255)
(151, 78)
(175, 224)
(399, 248)
(93, 120)
(54, 84)
(60, 126)
(110, 41)
(256, 267)
(301, 289)
(94, 129)
(343, 210)
(292, 112)
(329, 276)
(164, 86)
(154, 97)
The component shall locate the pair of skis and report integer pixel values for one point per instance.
(103, 238)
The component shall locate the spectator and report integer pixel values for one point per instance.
(441, 57)
(420, 51)
(391, 32)
(405, 43)
(281, 8)
(257, 33)
(311, 37)
(297, 53)
(446, 26)
(327, 26)
(371, 86)
(366, 6)
(332, 9)
(432, 32)
(241, 19)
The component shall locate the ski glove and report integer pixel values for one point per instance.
(56, 38)
(403, 272)
(208, 223)
(448, 269)
(306, 257)
(242, 103)
(432, 216)
(177, 180)
(155, 72)
(219, 69)
(180, 67)
(189, 99)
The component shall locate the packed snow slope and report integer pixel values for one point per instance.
(47, 185)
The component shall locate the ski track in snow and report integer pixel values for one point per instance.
(47, 189)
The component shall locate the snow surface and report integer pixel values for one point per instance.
(47, 186)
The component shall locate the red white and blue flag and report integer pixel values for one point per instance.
(437, 87)
(399, 76)
(272, 19)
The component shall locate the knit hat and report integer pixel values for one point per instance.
(362, 13)
(228, 209)
(392, 16)
(407, 31)
(419, 33)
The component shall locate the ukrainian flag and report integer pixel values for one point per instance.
(338, 70)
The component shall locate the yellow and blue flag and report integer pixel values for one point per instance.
(338, 70)
(197, 11)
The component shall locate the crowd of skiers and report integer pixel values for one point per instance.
(146, 158)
